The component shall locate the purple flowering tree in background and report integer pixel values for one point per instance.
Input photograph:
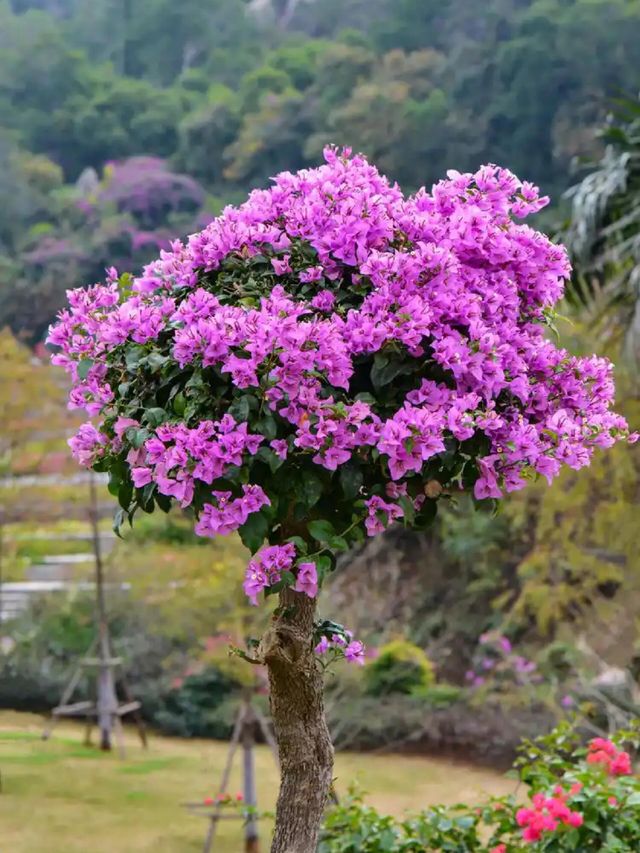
(327, 359)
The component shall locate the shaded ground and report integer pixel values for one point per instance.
(62, 797)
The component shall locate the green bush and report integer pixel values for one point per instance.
(400, 667)
(203, 705)
(582, 799)
(439, 695)
(54, 633)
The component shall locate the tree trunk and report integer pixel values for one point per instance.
(297, 708)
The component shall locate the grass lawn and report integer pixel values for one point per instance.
(62, 797)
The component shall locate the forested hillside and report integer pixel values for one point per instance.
(218, 95)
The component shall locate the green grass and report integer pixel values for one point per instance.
(62, 797)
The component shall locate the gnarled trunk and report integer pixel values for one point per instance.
(297, 709)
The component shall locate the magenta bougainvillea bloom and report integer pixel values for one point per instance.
(308, 366)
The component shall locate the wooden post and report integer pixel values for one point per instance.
(248, 719)
(107, 704)
(104, 707)
(1, 569)
(251, 841)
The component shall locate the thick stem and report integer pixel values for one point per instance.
(297, 708)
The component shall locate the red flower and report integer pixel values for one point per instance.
(621, 765)
(547, 815)
(601, 751)
(599, 757)
(600, 744)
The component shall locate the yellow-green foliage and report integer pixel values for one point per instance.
(193, 584)
(584, 561)
(400, 667)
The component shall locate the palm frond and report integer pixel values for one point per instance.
(603, 235)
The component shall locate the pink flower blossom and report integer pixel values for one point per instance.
(281, 266)
(354, 652)
(307, 579)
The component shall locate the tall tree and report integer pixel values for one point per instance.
(325, 360)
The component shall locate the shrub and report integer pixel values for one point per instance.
(202, 705)
(439, 695)
(581, 799)
(53, 634)
(400, 667)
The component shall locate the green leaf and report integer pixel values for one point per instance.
(125, 494)
(322, 530)
(324, 565)
(84, 366)
(240, 409)
(118, 521)
(147, 502)
(156, 416)
(267, 427)
(132, 358)
(386, 368)
(408, 510)
(163, 501)
(338, 543)
(311, 488)
(137, 437)
(633, 799)
(179, 403)
(301, 545)
(156, 361)
(272, 459)
(470, 474)
(427, 514)
(351, 479)
(254, 531)
(366, 397)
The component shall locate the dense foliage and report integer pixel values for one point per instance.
(398, 667)
(333, 356)
(604, 234)
(581, 799)
(232, 92)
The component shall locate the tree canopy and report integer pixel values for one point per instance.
(231, 92)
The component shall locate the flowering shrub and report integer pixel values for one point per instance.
(581, 800)
(497, 666)
(331, 357)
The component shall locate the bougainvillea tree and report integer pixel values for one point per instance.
(327, 359)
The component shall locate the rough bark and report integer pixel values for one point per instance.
(297, 709)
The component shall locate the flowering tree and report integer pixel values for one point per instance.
(316, 364)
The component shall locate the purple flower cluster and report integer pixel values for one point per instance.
(499, 666)
(446, 280)
(342, 646)
(266, 568)
(176, 457)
